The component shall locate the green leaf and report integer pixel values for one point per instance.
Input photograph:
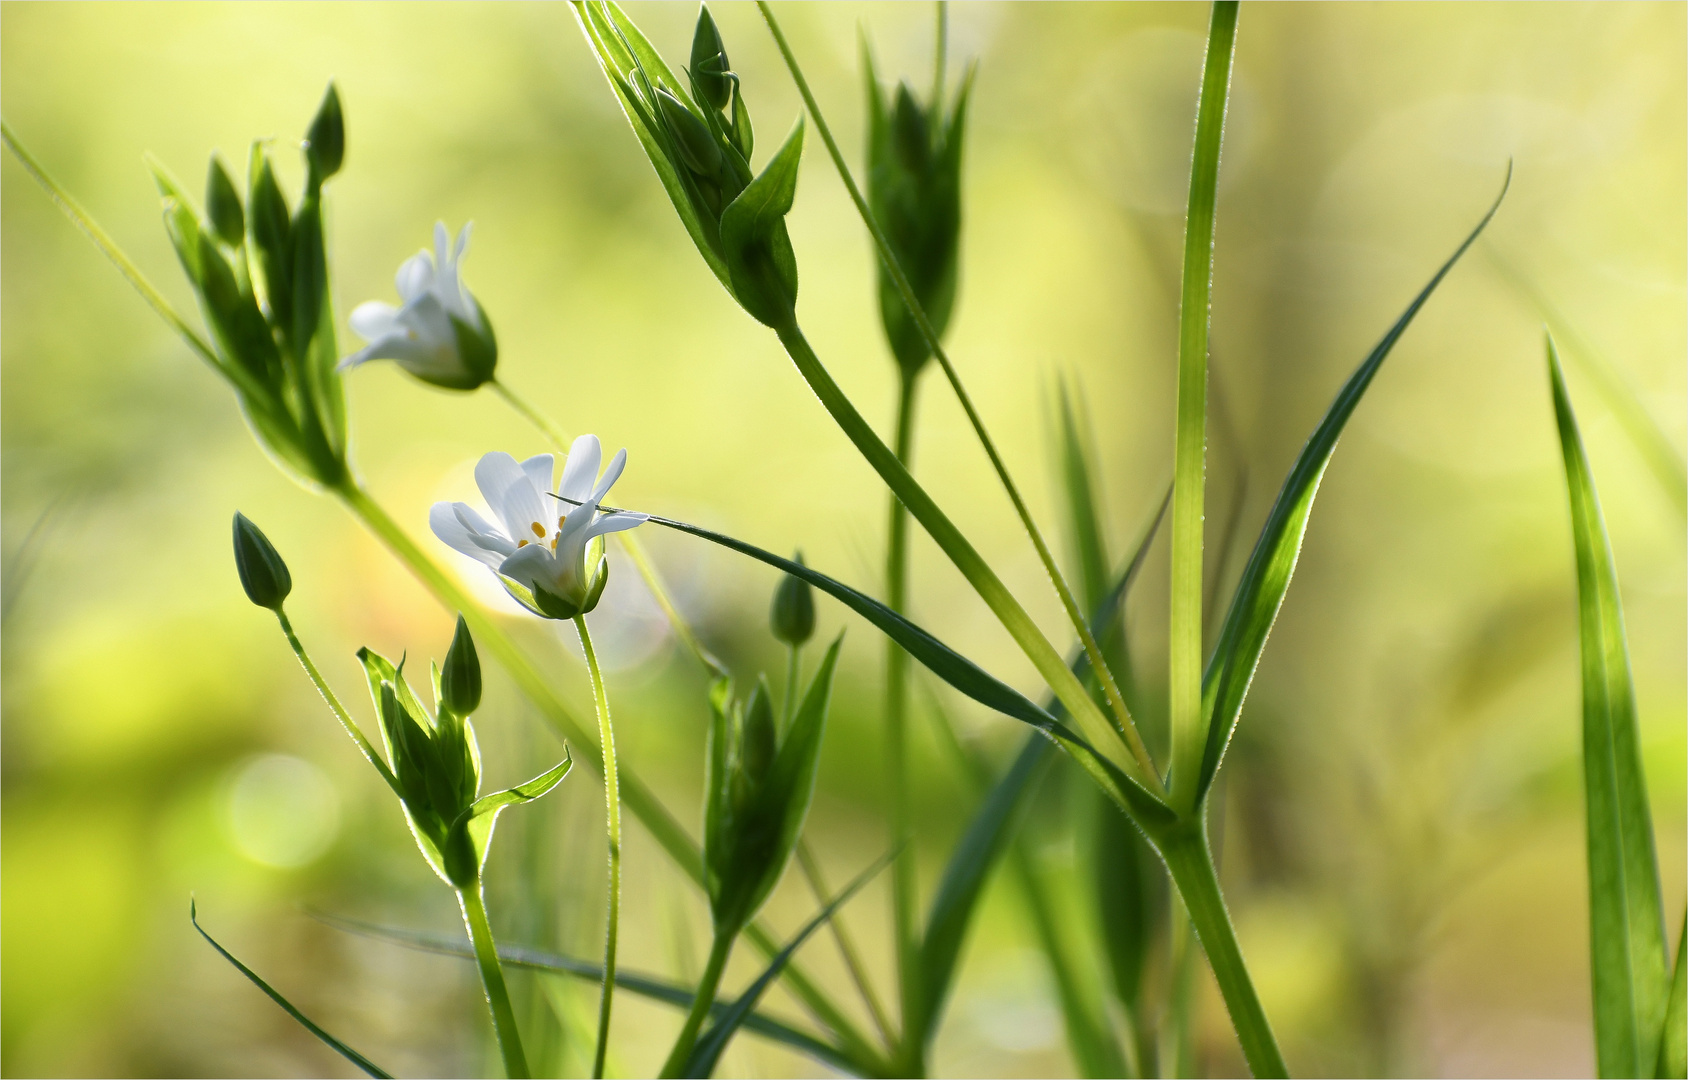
(222, 205)
(713, 1042)
(1631, 961)
(480, 818)
(648, 986)
(754, 241)
(270, 223)
(325, 142)
(1260, 591)
(1673, 1043)
(333, 1044)
(1084, 521)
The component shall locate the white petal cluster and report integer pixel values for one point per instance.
(548, 547)
(440, 334)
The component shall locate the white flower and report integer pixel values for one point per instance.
(441, 335)
(547, 551)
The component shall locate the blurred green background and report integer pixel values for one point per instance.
(1403, 837)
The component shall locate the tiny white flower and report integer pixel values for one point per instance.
(440, 335)
(547, 551)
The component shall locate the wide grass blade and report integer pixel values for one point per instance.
(1260, 592)
(647, 986)
(1626, 913)
(714, 1042)
(333, 1044)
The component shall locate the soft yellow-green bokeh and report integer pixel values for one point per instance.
(1403, 847)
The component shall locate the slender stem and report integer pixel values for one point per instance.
(1190, 862)
(793, 669)
(1049, 663)
(939, 60)
(531, 414)
(904, 883)
(1121, 721)
(1189, 464)
(612, 816)
(340, 712)
(846, 943)
(701, 1002)
(492, 978)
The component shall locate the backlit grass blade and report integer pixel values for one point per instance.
(1673, 1043)
(1260, 592)
(1630, 961)
(1189, 457)
(648, 986)
(1084, 518)
(714, 1041)
(333, 1044)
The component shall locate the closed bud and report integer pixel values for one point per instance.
(709, 62)
(222, 205)
(691, 136)
(792, 614)
(263, 574)
(460, 681)
(325, 142)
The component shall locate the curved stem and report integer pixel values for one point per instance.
(531, 414)
(904, 917)
(719, 950)
(793, 668)
(1190, 862)
(1008, 610)
(612, 815)
(340, 712)
(1121, 720)
(492, 978)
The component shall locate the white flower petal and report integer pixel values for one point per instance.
(533, 565)
(539, 469)
(373, 320)
(462, 241)
(513, 497)
(611, 475)
(580, 469)
(415, 276)
(620, 521)
(442, 245)
(446, 519)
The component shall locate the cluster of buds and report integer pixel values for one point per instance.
(700, 144)
(759, 780)
(914, 190)
(260, 272)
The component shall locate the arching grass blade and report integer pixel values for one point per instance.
(1265, 580)
(1630, 961)
(333, 1044)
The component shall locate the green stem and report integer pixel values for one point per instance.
(492, 977)
(904, 884)
(1190, 862)
(701, 1002)
(846, 946)
(532, 415)
(1121, 723)
(939, 60)
(793, 666)
(612, 818)
(966, 558)
(340, 712)
(1189, 459)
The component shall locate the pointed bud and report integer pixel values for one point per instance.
(222, 205)
(263, 574)
(691, 136)
(325, 143)
(793, 612)
(460, 681)
(757, 754)
(909, 136)
(709, 62)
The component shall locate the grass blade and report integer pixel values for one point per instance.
(1260, 592)
(1626, 913)
(1189, 457)
(647, 986)
(333, 1044)
(714, 1041)
(1673, 1043)
(1077, 450)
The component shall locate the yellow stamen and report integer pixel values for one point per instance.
(538, 529)
(521, 543)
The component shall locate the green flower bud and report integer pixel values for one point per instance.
(222, 205)
(325, 142)
(709, 62)
(792, 614)
(691, 136)
(263, 574)
(460, 682)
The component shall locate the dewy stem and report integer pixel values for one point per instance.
(719, 951)
(1122, 723)
(612, 827)
(904, 883)
(1189, 457)
(492, 978)
(1060, 680)
(1190, 861)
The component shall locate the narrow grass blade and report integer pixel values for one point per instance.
(1673, 1042)
(714, 1041)
(1084, 518)
(647, 986)
(1631, 964)
(333, 1044)
(1189, 457)
(1260, 592)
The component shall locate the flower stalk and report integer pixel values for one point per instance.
(492, 979)
(612, 826)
